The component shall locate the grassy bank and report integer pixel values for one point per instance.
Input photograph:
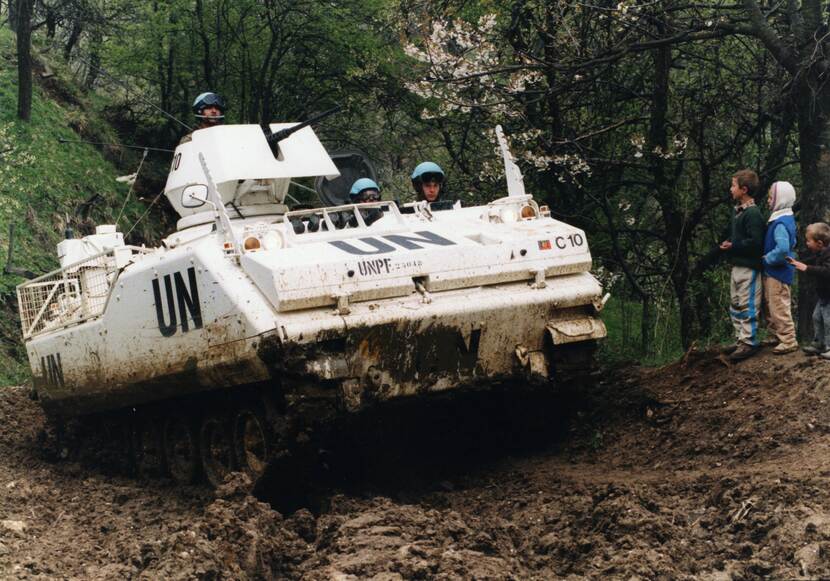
(623, 318)
(42, 181)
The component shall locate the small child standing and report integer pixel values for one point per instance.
(743, 249)
(779, 243)
(817, 265)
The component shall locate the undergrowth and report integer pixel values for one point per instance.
(42, 182)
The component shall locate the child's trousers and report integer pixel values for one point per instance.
(779, 312)
(821, 323)
(745, 292)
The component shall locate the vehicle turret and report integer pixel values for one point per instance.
(249, 178)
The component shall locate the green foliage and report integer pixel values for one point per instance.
(275, 61)
(623, 124)
(636, 145)
(623, 319)
(41, 183)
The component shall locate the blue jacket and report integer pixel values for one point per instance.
(779, 243)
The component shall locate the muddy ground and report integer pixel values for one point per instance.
(699, 470)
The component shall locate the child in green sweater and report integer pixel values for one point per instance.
(743, 249)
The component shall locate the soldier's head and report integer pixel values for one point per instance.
(209, 109)
(364, 190)
(427, 179)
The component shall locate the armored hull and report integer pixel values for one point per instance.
(247, 317)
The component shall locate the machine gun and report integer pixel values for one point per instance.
(274, 137)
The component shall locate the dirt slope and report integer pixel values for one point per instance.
(700, 470)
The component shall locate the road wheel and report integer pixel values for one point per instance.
(253, 440)
(216, 448)
(181, 449)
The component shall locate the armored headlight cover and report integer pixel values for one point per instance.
(272, 240)
(508, 214)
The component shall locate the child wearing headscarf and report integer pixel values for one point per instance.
(779, 245)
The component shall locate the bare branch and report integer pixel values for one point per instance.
(764, 32)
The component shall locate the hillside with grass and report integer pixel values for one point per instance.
(44, 177)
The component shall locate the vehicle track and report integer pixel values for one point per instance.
(699, 470)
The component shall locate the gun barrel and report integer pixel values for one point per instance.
(278, 136)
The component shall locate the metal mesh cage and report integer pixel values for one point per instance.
(66, 296)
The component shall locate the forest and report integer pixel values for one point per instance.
(294, 413)
(628, 118)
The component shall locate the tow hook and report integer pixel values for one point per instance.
(522, 355)
(426, 298)
(343, 307)
(374, 377)
(599, 303)
(534, 363)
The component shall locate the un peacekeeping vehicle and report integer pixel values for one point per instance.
(214, 347)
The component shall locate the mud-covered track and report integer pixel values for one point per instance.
(695, 471)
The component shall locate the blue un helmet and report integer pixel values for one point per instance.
(426, 172)
(365, 190)
(209, 100)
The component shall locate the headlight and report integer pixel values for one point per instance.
(508, 215)
(528, 212)
(252, 243)
(272, 240)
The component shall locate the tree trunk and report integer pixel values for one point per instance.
(700, 291)
(170, 81)
(702, 306)
(687, 319)
(94, 59)
(74, 35)
(677, 233)
(207, 66)
(24, 59)
(51, 24)
(646, 327)
(13, 14)
(267, 97)
(814, 146)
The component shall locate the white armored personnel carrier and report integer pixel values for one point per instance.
(250, 316)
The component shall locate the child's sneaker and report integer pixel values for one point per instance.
(744, 351)
(813, 349)
(729, 349)
(783, 348)
(825, 355)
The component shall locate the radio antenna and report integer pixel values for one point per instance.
(124, 145)
(129, 90)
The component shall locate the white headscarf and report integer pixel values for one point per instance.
(783, 198)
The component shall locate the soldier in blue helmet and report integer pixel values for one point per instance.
(209, 109)
(428, 179)
(364, 190)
